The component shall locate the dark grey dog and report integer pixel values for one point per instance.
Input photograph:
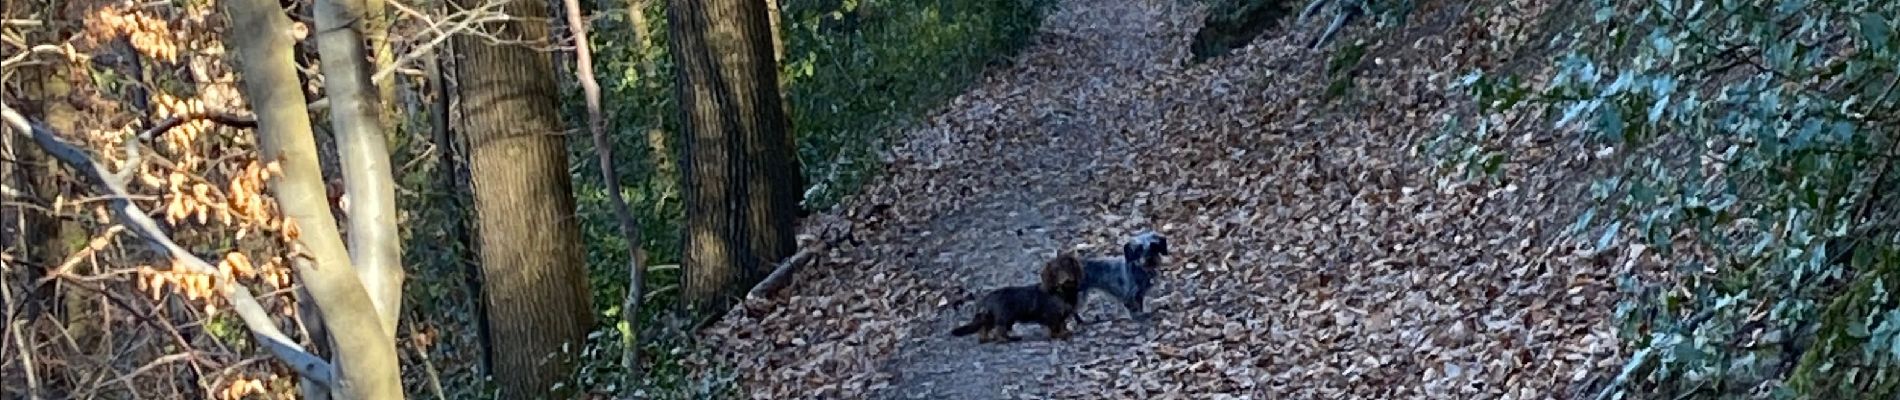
(1128, 277)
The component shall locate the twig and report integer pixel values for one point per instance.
(44, 48)
(222, 118)
(782, 274)
(19, 339)
(155, 363)
(469, 23)
(141, 223)
(428, 367)
(97, 243)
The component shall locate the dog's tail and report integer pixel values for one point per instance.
(982, 319)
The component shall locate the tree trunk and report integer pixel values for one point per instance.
(740, 166)
(534, 281)
(375, 244)
(772, 8)
(40, 239)
(365, 357)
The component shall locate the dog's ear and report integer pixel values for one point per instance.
(1160, 245)
(1131, 251)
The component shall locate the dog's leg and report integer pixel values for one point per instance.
(1080, 301)
(1059, 329)
(1133, 304)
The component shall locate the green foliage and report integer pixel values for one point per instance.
(1340, 68)
(1750, 143)
(858, 70)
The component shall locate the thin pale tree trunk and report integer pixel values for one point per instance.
(355, 109)
(365, 356)
(610, 180)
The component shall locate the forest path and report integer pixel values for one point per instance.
(1042, 147)
(1318, 253)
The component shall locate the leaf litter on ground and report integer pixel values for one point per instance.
(1318, 254)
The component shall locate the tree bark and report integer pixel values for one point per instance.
(365, 357)
(355, 107)
(740, 167)
(38, 238)
(534, 283)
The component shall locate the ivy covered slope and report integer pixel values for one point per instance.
(1745, 151)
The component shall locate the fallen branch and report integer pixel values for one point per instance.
(781, 276)
(138, 221)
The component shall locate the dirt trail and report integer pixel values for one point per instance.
(1088, 56)
(1318, 255)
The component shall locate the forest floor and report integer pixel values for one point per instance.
(1317, 253)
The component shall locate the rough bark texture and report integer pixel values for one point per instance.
(740, 167)
(534, 284)
(365, 357)
(35, 237)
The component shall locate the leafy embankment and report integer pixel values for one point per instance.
(1748, 150)
(1321, 253)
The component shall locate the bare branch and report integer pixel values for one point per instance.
(137, 220)
(44, 48)
(466, 22)
(221, 118)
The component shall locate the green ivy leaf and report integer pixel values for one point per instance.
(1583, 222)
(1875, 29)
(1571, 112)
(1609, 235)
(1858, 330)
(1610, 122)
(1656, 110)
(1665, 46)
(1809, 128)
